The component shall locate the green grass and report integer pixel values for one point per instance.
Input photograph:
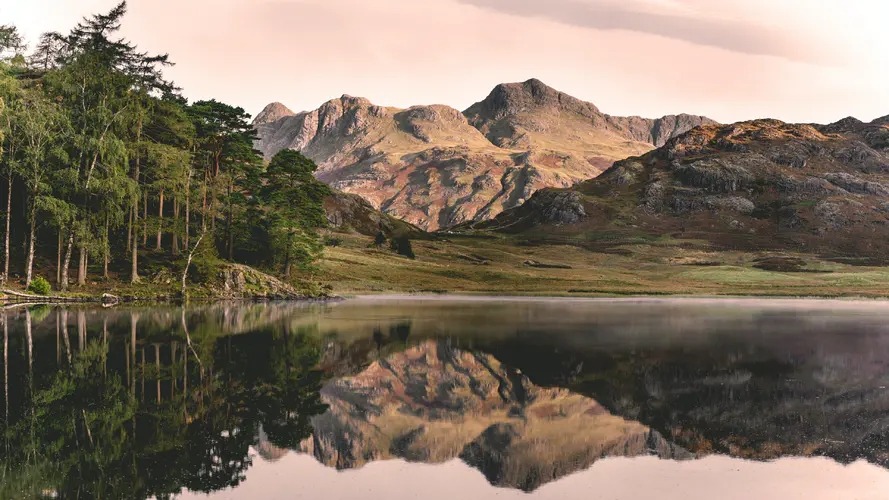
(660, 266)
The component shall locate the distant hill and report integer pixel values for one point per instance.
(351, 213)
(434, 166)
(762, 184)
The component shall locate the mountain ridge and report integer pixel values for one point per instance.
(435, 166)
(756, 185)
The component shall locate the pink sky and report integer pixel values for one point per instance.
(298, 476)
(796, 60)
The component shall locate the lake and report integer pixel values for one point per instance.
(442, 398)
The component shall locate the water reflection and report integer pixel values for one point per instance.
(151, 402)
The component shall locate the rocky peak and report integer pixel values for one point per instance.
(531, 96)
(847, 124)
(272, 113)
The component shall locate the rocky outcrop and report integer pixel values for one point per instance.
(240, 281)
(762, 184)
(433, 403)
(351, 213)
(435, 167)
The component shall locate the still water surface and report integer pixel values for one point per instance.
(400, 398)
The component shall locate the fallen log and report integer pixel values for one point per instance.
(41, 298)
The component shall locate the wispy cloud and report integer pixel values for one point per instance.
(668, 18)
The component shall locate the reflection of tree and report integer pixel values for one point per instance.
(79, 424)
(282, 393)
(401, 332)
(293, 396)
(89, 431)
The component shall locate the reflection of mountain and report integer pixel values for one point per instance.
(433, 403)
(266, 449)
(781, 385)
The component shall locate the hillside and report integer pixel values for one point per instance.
(434, 166)
(759, 185)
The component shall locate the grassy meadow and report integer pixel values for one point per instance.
(504, 265)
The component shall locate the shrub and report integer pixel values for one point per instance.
(380, 239)
(402, 246)
(333, 241)
(39, 286)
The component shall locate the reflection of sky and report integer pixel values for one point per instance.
(300, 476)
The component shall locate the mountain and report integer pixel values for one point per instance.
(433, 403)
(531, 114)
(761, 184)
(434, 166)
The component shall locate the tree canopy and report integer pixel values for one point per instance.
(101, 152)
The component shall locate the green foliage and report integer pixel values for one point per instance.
(380, 240)
(39, 286)
(110, 159)
(332, 241)
(402, 246)
(295, 199)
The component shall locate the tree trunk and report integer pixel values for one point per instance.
(231, 234)
(63, 286)
(129, 228)
(107, 248)
(145, 218)
(8, 217)
(134, 273)
(59, 259)
(204, 201)
(81, 269)
(175, 225)
(188, 262)
(33, 238)
(160, 220)
(187, 209)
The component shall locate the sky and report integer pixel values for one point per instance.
(731, 60)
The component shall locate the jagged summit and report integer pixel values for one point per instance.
(531, 112)
(272, 113)
(435, 166)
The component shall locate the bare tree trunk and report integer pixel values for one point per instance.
(231, 214)
(63, 286)
(130, 228)
(204, 201)
(59, 259)
(107, 248)
(175, 225)
(8, 218)
(81, 269)
(187, 209)
(160, 219)
(188, 261)
(134, 273)
(28, 271)
(145, 218)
